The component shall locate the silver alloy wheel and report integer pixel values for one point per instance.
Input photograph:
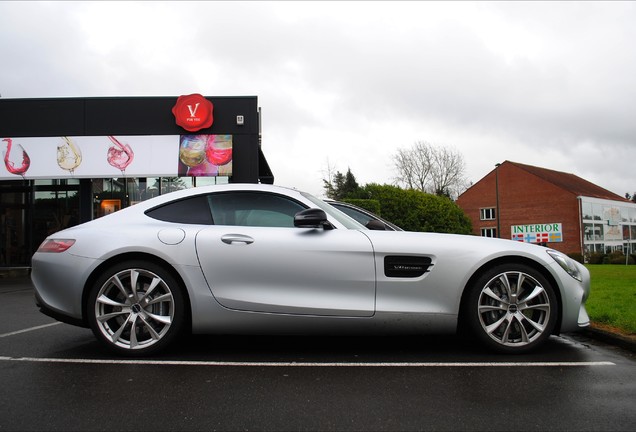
(134, 309)
(514, 309)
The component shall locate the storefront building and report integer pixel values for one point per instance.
(537, 205)
(70, 160)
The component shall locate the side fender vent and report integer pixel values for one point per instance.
(406, 266)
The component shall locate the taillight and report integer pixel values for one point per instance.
(55, 245)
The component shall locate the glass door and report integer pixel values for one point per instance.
(14, 223)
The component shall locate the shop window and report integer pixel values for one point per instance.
(206, 181)
(55, 206)
(109, 206)
(56, 182)
(109, 195)
(13, 233)
(172, 184)
(586, 210)
(625, 232)
(612, 233)
(598, 232)
(592, 232)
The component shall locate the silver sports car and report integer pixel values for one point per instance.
(262, 259)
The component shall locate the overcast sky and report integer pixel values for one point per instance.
(346, 84)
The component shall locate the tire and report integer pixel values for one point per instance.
(136, 309)
(511, 308)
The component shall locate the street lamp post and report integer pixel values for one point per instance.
(497, 199)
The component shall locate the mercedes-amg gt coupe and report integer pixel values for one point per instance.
(263, 259)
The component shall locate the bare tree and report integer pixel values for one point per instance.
(437, 170)
(328, 183)
(414, 165)
(448, 171)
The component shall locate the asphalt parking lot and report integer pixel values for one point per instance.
(56, 377)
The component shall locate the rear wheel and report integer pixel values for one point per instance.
(512, 308)
(136, 308)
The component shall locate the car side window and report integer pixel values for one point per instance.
(357, 215)
(193, 210)
(253, 209)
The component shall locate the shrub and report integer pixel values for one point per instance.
(576, 256)
(418, 211)
(368, 204)
(595, 258)
(618, 257)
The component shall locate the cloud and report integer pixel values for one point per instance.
(348, 83)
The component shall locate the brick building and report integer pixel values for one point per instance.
(538, 205)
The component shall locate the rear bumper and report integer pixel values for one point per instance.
(57, 315)
(59, 281)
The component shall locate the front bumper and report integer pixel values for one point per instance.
(573, 296)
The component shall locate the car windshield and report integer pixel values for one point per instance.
(336, 214)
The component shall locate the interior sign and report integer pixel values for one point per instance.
(193, 112)
(537, 233)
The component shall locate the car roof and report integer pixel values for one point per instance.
(200, 190)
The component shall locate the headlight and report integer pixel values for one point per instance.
(567, 263)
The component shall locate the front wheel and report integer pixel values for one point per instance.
(511, 308)
(136, 308)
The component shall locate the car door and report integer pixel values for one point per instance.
(254, 259)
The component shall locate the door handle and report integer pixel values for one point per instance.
(237, 238)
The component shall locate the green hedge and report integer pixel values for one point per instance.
(368, 204)
(611, 258)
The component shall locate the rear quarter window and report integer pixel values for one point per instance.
(193, 210)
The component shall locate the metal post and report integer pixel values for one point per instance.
(497, 198)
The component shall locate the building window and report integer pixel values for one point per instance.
(487, 213)
(489, 232)
(586, 209)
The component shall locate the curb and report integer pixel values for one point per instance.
(15, 272)
(612, 338)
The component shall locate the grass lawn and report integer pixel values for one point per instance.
(612, 298)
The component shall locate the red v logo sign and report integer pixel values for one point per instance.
(193, 112)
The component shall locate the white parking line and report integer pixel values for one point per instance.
(29, 329)
(306, 364)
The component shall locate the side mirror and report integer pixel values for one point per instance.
(311, 218)
(376, 225)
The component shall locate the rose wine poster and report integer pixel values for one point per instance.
(115, 156)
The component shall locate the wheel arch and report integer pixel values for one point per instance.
(99, 270)
(512, 259)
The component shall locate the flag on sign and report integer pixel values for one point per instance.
(542, 237)
(555, 237)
